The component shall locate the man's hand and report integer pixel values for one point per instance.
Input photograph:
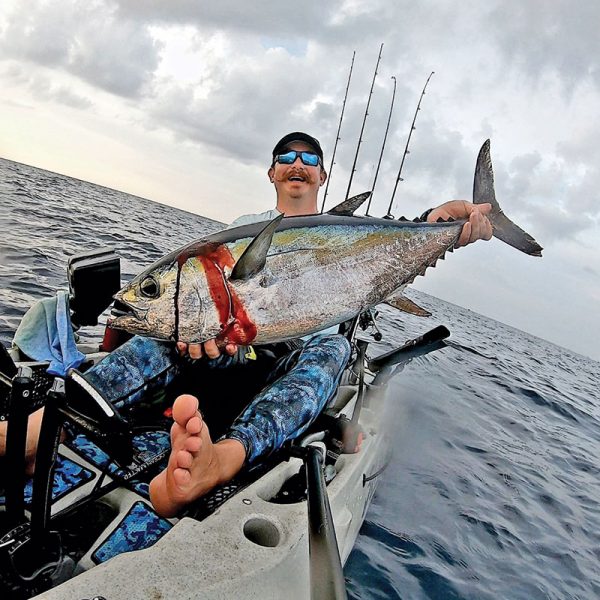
(208, 348)
(478, 226)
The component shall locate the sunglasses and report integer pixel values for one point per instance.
(308, 158)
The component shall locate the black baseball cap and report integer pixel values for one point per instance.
(298, 136)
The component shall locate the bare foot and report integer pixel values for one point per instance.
(196, 465)
(33, 433)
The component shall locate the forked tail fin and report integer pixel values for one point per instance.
(504, 228)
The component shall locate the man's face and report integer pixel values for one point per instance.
(297, 180)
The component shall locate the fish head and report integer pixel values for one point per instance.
(146, 305)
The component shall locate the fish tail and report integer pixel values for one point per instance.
(503, 228)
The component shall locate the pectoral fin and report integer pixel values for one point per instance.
(254, 258)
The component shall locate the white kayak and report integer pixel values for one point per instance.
(86, 529)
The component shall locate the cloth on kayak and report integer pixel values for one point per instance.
(46, 334)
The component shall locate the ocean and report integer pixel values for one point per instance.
(493, 490)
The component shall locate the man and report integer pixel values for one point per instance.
(196, 463)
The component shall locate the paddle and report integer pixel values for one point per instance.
(428, 342)
(326, 574)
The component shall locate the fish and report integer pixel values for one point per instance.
(294, 276)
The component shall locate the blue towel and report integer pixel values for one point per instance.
(45, 334)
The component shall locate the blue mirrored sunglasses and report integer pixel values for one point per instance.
(308, 158)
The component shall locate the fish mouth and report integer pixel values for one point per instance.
(122, 314)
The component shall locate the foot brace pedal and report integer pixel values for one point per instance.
(108, 440)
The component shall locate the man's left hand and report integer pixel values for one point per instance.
(478, 226)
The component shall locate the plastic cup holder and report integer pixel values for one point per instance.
(262, 532)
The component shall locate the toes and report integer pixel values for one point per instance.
(182, 477)
(184, 408)
(193, 444)
(184, 459)
(194, 425)
(177, 433)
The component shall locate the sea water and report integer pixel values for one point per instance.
(493, 490)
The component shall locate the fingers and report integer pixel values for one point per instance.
(193, 350)
(465, 236)
(209, 348)
(458, 209)
(439, 213)
(485, 208)
(478, 227)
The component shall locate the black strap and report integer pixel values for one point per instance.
(45, 460)
(16, 442)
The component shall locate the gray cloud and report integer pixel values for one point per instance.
(548, 36)
(43, 89)
(285, 69)
(84, 39)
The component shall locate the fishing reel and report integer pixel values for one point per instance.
(366, 321)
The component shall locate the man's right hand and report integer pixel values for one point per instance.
(208, 348)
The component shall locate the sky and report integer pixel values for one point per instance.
(181, 102)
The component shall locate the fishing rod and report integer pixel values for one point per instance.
(337, 137)
(382, 146)
(363, 123)
(406, 150)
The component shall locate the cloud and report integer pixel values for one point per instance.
(262, 17)
(242, 77)
(84, 39)
(43, 89)
(538, 38)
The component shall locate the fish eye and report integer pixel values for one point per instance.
(150, 288)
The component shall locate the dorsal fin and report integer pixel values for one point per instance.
(347, 207)
(254, 258)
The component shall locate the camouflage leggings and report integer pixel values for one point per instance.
(282, 411)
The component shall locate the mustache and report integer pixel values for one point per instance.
(295, 172)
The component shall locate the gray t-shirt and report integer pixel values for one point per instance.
(268, 215)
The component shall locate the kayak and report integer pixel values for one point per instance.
(85, 527)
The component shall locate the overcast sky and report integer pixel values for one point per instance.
(181, 102)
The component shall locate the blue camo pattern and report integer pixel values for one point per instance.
(151, 442)
(284, 410)
(140, 528)
(67, 476)
(141, 364)
(279, 413)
